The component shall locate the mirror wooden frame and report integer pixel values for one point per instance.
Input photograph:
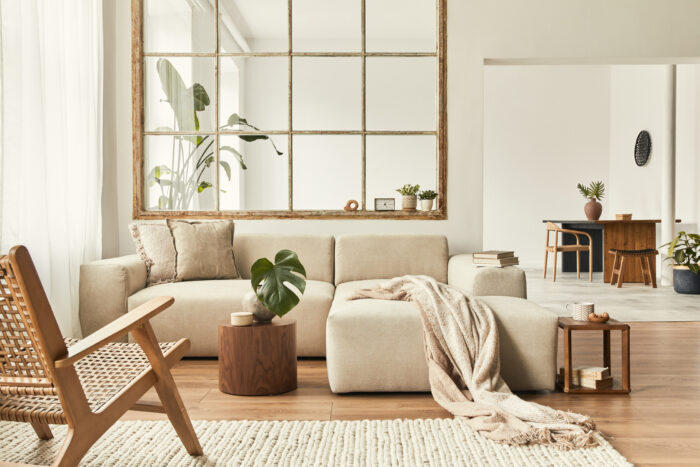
(138, 129)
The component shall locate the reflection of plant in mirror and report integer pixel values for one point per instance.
(427, 194)
(409, 190)
(192, 155)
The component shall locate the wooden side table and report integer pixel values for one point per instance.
(258, 360)
(569, 325)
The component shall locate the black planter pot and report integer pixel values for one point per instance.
(685, 280)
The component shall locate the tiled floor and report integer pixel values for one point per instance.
(632, 302)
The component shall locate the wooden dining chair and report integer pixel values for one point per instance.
(86, 384)
(578, 248)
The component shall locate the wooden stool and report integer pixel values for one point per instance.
(644, 261)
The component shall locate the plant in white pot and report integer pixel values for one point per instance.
(273, 286)
(427, 197)
(684, 251)
(408, 193)
(593, 192)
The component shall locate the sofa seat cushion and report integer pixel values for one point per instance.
(377, 345)
(374, 345)
(201, 305)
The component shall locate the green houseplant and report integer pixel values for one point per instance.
(187, 174)
(275, 286)
(684, 251)
(408, 193)
(427, 198)
(593, 192)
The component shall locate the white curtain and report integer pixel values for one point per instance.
(51, 130)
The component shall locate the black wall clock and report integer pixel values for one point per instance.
(642, 148)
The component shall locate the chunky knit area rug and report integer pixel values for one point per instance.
(428, 442)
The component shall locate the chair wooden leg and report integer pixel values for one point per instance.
(554, 271)
(74, 447)
(578, 264)
(546, 252)
(621, 272)
(590, 263)
(42, 430)
(167, 390)
(651, 275)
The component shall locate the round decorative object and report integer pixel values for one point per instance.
(601, 318)
(352, 205)
(258, 360)
(251, 304)
(642, 148)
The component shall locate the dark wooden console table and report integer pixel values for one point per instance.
(635, 234)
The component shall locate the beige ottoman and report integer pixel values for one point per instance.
(377, 345)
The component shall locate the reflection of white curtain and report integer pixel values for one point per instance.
(52, 140)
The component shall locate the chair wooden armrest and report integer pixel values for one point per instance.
(114, 330)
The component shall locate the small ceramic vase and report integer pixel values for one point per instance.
(409, 202)
(426, 204)
(250, 303)
(593, 209)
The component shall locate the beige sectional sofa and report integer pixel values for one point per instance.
(370, 345)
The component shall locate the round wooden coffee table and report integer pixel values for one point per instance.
(258, 360)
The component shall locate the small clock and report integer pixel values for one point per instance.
(384, 204)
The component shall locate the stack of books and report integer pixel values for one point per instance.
(495, 258)
(592, 377)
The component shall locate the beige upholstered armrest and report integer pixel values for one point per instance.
(105, 287)
(117, 328)
(481, 281)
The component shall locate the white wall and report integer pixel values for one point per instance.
(638, 101)
(549, 127)
(546, 128)
(477, 30)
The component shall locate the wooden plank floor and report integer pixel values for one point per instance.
(659, 423)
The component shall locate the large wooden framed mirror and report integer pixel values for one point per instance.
(287, 108)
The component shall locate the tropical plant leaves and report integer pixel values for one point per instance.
(684, 250)
(271, 282)
(236, 154)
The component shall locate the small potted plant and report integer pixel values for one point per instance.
(684, 251)
(593, 192)
(426, 198)
(273, 286)
(409, 192)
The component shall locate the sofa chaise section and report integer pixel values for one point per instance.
(377, 345)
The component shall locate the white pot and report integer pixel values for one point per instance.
(426, 204)
(409, 202)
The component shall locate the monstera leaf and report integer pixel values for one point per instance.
(271, 282)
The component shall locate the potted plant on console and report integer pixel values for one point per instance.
(593, 192)
(408, 193)
(684, 251)
(426, 198)
(273, 286)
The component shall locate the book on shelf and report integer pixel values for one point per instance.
(596, 372)
(589, 383)
(493, 254)
(496, 262)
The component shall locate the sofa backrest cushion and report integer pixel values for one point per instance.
(377, 256)
(315, 252)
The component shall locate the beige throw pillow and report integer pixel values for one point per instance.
(155, 246)
(204, 250)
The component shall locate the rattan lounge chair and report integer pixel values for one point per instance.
(86, 384)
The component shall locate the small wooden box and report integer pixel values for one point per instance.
(623, 217)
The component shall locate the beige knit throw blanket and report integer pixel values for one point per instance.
(462, 352)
